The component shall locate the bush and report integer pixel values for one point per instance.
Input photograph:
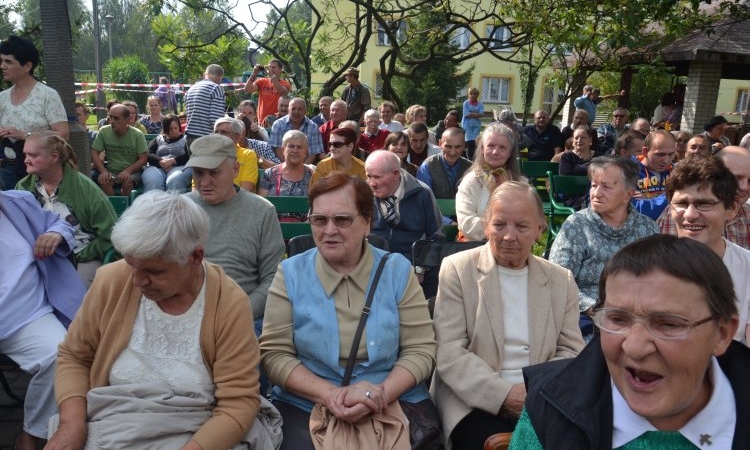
(128, 69)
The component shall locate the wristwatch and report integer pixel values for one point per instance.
(261, 161)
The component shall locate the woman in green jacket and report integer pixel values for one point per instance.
(55, 181)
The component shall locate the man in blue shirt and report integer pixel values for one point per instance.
(296, 120)
(443, 171)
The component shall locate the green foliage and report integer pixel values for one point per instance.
(189, 41)
(291, 40)
(127, 69)
(648, 84)
(428, 79)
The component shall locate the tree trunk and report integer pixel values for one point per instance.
(58, 61)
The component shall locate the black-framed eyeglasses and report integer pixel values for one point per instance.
(339, 220)
(338, 144)
(660, 325)
(700, 205)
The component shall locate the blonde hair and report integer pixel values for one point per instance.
(50, 141)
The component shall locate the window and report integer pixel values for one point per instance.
(378, 85)
(461, 38)
(384, 40)
(499, 38)
(551, 96)
(495, 90)
(743, 97)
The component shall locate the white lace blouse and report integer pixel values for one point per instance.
(164, 347)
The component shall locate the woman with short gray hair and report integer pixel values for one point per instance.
(592, 235)
(292, 177)
(167, 332)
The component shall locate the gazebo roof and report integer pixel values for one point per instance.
(726, 42)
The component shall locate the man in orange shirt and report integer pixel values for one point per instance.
(269, 88)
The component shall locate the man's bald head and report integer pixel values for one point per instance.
(737, 160)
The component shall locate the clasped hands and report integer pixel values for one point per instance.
(352, 403)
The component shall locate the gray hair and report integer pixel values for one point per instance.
(514, 190)
(372, 113)
(480, 165)
(215, 70)
(161, 224)
(349, 124)
(628, 168)
(235, 125)
(292, 135)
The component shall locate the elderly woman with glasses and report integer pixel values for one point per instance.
(314, 306)
(664, 372)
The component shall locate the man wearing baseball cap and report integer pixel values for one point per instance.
(245, 237)
(356, 95)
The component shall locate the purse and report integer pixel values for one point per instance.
(424, 427)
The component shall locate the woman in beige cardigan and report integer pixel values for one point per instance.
(166, 323)
(499, 309)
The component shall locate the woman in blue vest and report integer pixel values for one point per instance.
(313, 309)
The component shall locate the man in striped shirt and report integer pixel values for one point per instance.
(204, 104)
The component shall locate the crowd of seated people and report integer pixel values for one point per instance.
(216, 269)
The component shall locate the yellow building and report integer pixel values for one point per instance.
(498, 81)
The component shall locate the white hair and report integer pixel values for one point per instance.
(161, 224)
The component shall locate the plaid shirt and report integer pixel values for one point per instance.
(314, 140)
(736, 230)
(263, 150)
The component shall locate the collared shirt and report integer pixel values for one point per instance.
(585, 103)
(314, 140)
(736, 230)
(608, 136)
(399, 195)
(263, 150)
(542, 145)
(423, 174)
(715, 422)
(391, 126)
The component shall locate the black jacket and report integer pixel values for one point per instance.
(569, 401)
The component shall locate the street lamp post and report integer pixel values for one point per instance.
(109, 20)
(100, 98)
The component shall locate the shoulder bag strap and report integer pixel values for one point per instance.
(362, 320)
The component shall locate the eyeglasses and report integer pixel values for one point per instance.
(660, 325)
(700, 205)
(339, 220)
(338, 144)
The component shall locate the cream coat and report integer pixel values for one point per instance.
(469, 330)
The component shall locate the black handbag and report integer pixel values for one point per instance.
(424, 426)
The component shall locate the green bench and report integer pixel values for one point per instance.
(447, 207)
(287, 205)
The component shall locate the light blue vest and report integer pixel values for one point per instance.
(316, 336)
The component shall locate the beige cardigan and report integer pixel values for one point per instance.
(102, 329)
(469, 329)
